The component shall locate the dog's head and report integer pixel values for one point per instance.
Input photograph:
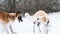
(19, 16)
(41, 20)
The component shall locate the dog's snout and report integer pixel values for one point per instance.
(20, 19)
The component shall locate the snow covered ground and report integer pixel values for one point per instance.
(26, 27)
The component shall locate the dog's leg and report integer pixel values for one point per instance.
(34, 28)
(47, 27)
(47, 23)
(11, 29)
(5, 29)
(39, 27)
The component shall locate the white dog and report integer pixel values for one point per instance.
(40, 17)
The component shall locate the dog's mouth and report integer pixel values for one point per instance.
(20, 19)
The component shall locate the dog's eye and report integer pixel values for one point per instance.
(37, 18)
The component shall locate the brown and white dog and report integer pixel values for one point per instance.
(5, 19)
(40, 17)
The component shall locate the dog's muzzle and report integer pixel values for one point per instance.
(20, 19)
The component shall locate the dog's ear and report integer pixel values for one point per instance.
(44, 19)
(18, 12)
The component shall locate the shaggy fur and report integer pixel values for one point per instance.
(5, 19)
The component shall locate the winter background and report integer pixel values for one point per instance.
(26, 27)
(31, 6)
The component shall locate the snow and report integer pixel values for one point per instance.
(55, 29)
(26, 27)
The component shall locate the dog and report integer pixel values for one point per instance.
(5, 19)
(40, 17)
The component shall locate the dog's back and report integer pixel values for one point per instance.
(5, 17)
(41, 13)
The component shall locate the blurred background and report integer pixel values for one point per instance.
(30, 6)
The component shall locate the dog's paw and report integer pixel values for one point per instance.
(14, 33)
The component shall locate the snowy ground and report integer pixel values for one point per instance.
(26, 27)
